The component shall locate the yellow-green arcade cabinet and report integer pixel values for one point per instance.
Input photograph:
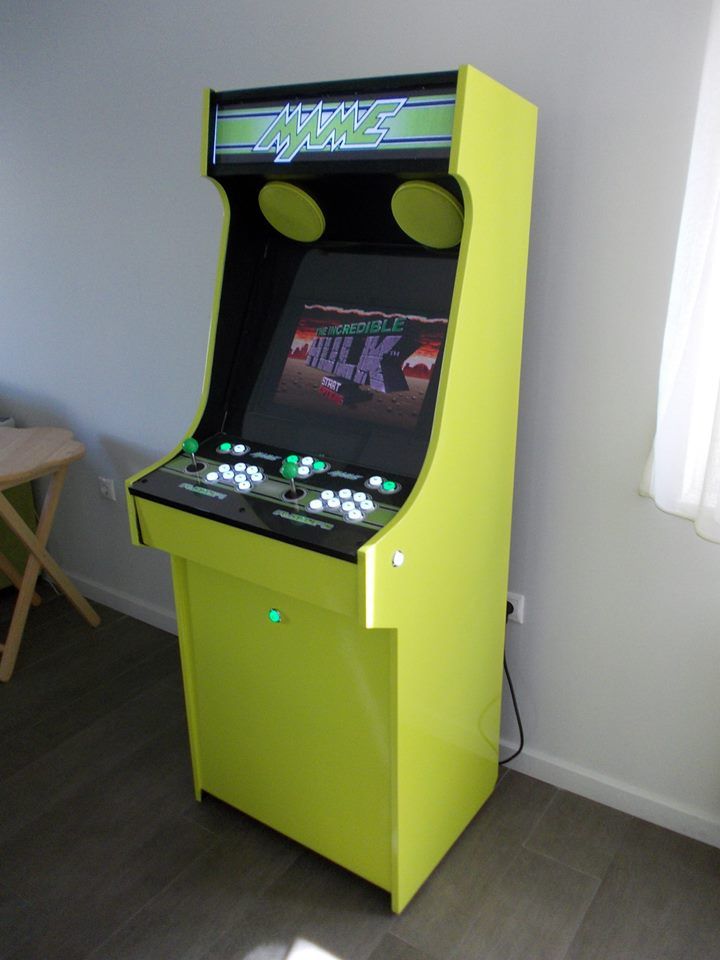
(339, 518)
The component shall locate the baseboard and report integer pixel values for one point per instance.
(615, 793)
(147, 612)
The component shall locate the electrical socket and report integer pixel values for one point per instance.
(518, 602)
(106, 486)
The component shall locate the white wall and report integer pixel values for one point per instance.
(107, 262)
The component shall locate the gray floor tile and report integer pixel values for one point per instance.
(93, 902)
(660, 900)
(444, 909)
(51, 728)
(579, 833)
(215, 816)
(91, 755)
(391, 948)
(18, 920)
(55, 628)
(533, 909)
(646, 843)
(187, 917)
(55, 681)
(87, 833)
(316, 901)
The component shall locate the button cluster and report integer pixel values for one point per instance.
(237, 448)
(306, 465)
(353, 505)
(242, 476)
(382, 485)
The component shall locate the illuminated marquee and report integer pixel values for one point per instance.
(348, 127)
(247, 133)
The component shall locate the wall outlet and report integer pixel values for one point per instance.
(106, 486)
(518, 602)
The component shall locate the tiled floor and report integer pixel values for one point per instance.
(104, 854)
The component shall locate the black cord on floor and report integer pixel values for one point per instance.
(512, 756)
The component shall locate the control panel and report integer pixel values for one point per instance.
(300, 496)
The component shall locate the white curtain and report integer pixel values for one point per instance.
(683, 472)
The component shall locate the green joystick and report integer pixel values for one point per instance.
(190, 445)
(289, 470)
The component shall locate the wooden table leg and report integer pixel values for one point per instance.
(14, 577)
(39, 558)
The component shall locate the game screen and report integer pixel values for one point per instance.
(351, 366)
(360, 364)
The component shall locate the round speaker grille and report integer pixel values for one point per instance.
(291, 211)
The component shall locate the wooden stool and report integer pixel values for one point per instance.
(26, 454)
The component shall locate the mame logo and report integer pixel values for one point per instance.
(317, 127)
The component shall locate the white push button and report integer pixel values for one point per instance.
(244, 485)
(367, 506)
(315, 505)
(212, 476)
(224, 467)
(374, 481)
(347, 506)
(354, 515)
(358, 496)
(239, 448)
(240, 467)
(345, 494)
(307, 461)
(333, 504)
(327, 495)
(257, 477)
(303, 471)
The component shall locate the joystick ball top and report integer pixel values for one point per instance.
(289, 470)
(190, 445)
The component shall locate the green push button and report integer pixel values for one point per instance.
(274, 616)
(389, 486)
(319, 465)
(225, 447)
(293, 458)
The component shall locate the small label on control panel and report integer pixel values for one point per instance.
(303, 518)
(343, 475)
(193, 488)
(261, 455)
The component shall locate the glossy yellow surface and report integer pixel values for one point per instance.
(365, 724)
(290, 721)
(447, 600)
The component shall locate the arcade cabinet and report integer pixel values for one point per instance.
(339, 517)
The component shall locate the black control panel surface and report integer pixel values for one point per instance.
(299, 496)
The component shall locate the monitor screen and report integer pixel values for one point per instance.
(351, 370)
(363, 365)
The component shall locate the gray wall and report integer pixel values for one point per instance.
(107, 262)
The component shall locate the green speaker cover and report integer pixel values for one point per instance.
(428, 214)
(291, 211)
